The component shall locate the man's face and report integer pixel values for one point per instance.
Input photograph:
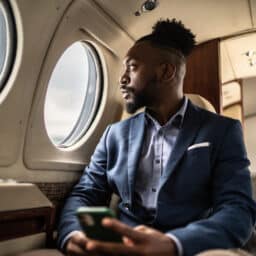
(139, 80)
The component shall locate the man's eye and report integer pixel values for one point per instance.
(132, 66)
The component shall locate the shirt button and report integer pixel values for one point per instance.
(153, 190)
(157, 161)
(126, 206)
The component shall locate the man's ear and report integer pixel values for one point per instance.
(168, 72)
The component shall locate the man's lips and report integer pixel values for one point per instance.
(126, 94)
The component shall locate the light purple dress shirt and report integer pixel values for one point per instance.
(159, 142)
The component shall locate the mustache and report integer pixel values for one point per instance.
(125, 89)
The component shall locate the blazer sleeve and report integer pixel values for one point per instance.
(233, 209)
(91, 190)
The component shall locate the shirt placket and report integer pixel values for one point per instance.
(158, 152)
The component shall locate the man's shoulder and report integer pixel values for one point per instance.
(216, 118)
(121, 128)
(129, 120)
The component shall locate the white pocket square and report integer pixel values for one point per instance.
(199, 145)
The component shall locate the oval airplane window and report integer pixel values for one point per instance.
(73, 94)
(6, 42)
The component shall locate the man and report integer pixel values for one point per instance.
(181, 172)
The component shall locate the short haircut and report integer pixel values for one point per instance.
(171, 34)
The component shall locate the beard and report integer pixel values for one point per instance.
(143, 98)
(137, 103)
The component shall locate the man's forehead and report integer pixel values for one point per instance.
(140, 51)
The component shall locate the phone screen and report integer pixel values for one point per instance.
(90, 219)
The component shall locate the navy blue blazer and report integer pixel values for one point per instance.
(205, 198)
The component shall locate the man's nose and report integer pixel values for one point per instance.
(124, 80)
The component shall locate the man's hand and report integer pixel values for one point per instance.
(76, 245)
(142, 240)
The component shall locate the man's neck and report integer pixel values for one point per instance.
(163, 113)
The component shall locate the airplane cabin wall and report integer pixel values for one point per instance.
(44, 30)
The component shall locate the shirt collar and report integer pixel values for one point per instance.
(175, 120)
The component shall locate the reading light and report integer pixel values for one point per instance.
(147, 6)
(252, 62)
(251, 54)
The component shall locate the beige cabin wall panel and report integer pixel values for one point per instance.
(102, 27)
(16, 98)
(82, 21)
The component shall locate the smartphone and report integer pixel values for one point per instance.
(90, 219)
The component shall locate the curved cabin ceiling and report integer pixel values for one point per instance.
(208, 19)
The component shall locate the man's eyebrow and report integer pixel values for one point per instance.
(128, 60)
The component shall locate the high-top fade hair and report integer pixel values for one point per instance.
(171, 34)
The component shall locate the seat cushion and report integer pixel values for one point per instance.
(236, 252)
(42, 252)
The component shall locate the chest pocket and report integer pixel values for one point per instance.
(191, 178)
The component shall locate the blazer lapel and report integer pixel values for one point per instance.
(136, 133)
(186, 135)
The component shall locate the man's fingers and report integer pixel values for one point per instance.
(123, 229)
(111, 248)
(75, 250)
(77, 244)
(127, 241)
(141, 228)
(79, 239)
(144, 229)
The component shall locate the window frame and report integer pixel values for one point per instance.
(82, 124)
(10, 30)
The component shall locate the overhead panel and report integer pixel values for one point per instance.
(242, 54)
(207, 19)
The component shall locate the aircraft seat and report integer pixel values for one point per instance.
(201, 102)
